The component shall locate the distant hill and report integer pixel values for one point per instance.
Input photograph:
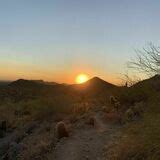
(4, 83)
(150, 83)
(95, 87)
(95, 82)
(30, 89)
(22, 89)
(98, 82)
(30, 83)
(140, 91)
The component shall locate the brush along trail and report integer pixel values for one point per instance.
(87, 142)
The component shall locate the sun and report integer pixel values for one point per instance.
(81, 78)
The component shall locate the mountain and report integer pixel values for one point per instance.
(140, 91)
(30, 83)
(30, 89)
(22, 89)
(98, 82)
(152, 83)
(95, 87)
(94, 83)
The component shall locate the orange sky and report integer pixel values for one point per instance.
(14, 71)
(55, 40)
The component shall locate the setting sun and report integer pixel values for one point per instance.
(81, 78)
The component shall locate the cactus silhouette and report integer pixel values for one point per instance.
(61, 130)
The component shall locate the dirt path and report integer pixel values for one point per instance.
(87, 143)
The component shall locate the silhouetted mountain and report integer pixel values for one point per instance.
(95, 87)
(4, 83)
(140, 91)
(30, 89)
(44, 82)
(30, 83)
(24, 83)
(96, 81)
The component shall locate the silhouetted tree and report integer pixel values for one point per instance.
(129, 80)
(147, 60)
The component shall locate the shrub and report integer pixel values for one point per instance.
(138, 108)
(80, 108)
(141, 139)
(114, 101)
(129, 115)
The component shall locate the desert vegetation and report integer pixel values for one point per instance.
(93, 119)
(140, 137)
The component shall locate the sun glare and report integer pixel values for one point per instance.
(81, 78)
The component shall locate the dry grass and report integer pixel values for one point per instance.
(141, 139)
(38, 144)
(113, 117)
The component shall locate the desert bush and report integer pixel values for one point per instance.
(44, 107)
(7, 112)
(134, 94)
(138, 108)
(80, 108)
(124, 151)
(114, 101)
(128, 115)
(39, 143)
(117, 105)
(141, 139)
(133, 112)
(106, 109)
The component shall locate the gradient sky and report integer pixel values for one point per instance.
(55, 40)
